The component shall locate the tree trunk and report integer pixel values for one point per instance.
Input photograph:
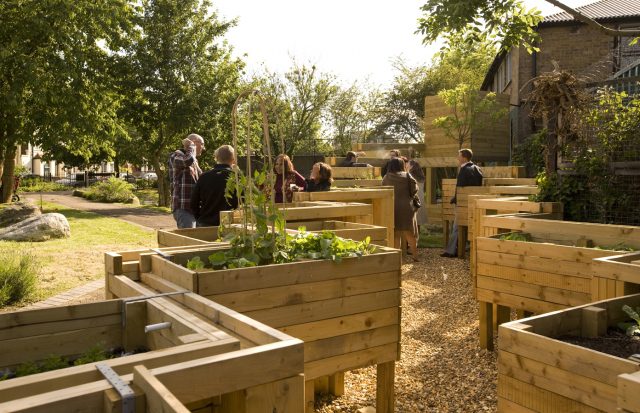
(164, 195)
(116, 165)
(8, 172)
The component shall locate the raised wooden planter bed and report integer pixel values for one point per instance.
(625, 267)
(460, 212)
(380, 199)
(203, 236)
(548, 274)
(356, 183)
(367, 172)
(193, 365)
(539, 373)
(347, 313)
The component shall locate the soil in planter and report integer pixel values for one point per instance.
(615, 343)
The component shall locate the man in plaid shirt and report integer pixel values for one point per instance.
(184, 173)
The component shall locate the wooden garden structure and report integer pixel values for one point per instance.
(553, 271)
(538, 372)
(203, 357)
(492, 187)
(380, 199)
(347, 313)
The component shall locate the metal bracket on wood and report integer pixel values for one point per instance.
(124, 390)
(164, 255)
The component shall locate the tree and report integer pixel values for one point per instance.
(298, 101)
(506, 22)
(469, 109)
(403, 110)
(178, 78)
(56, 86)
(345, 117)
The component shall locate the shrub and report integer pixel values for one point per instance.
(36, 184)
(110, 190)
(18, 277)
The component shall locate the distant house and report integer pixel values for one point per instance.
(575, 46)
(31, 157)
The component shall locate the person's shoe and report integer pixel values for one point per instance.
(447, 255)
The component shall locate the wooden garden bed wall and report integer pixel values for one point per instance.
(357, 183)
(366, 172)
(187, 236)
(380, 199)
(537, 373)
(625, 267)
(544, 276)
(347, 313)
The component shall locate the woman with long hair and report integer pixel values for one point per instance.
(404, 216)
(418, 174)
(320, 179)
(288, 179)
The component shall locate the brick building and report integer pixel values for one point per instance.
(575, 46)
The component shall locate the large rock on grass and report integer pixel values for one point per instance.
(14, 213)
(38, 228)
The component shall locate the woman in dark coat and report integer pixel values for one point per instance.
(320, 179)
(404, 188)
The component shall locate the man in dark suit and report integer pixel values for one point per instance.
(468, 175)
(208, 197)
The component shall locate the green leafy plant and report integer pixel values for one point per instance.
(110, 190)
(95, 353)
(18, 277)
(195, 263)
(621, 246)
(516, 236)
(631, 328)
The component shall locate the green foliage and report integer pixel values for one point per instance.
(110, 190)
(530, 153)
(507, 23)
(621, 246)
(632, 329)
(195, 264)
(36, 184)
(94, 354)
(325, 245)
(468, 107)
(18, 277)
(27, 369)
(516, 236)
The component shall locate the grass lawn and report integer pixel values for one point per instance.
(149, 200)
(68, 263)
(429, 239)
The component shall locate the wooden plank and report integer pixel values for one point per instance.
(486, 325)
(264, 298)
(133, 335)
(350, 361)
(344, 325)
(565, 282)
(308, 312)
(385, 381)
(334, 346)
(21, 350)
(241, 279)
(158, 397)
(543, 264)
(583, 389)
(549, 294)
(629, 392)
(570, 358)
(534, 249)
(69, 312)
(22, 387)
(39, 329)
(515, 395)
(282, 396)
(517, 302)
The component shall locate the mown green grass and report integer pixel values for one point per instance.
(431, 240)
(70, 262)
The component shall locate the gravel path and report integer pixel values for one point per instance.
(442, 368)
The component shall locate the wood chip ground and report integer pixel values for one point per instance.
(442, 368)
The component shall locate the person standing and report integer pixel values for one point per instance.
(404, 216)
(393, 153)
(183, 174)
(286, 176)
(208, 197)
(468, 175)
(418, 174)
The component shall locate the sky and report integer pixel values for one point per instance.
(356, 40)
